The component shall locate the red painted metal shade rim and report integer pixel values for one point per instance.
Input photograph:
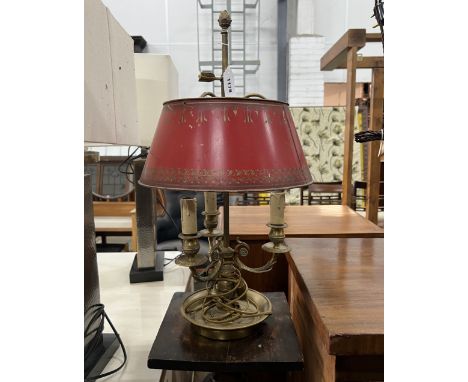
(225, 145)
(223, 190)
(250, 188)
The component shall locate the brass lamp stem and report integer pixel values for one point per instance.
(226, 218)
(224, 39)
(224, 21)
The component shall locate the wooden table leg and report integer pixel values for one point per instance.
(373, 161)
(351, 63)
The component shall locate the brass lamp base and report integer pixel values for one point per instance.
(192, 310)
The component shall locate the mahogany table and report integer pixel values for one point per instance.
(336, 297)
(271, 353)
(249, 224)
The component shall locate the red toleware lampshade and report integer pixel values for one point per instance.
(225, 144)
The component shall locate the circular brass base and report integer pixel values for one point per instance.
(239, 328)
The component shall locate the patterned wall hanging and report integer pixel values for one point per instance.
(321, 131)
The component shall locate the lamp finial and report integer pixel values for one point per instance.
(224, 20)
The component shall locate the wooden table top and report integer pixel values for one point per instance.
(113, 223)
(272, 347)
(303, 221)
(344, 280)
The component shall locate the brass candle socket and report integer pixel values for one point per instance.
(190, 256)
(211, 232)
(211, 223)
(276, 235)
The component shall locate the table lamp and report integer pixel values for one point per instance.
(225, 145)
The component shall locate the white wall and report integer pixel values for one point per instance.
(171, 27)
(305, 82)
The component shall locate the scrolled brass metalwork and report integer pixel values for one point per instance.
(242, 248)
(228, 299)
(264, 268)
(210, 272)
(228, 304)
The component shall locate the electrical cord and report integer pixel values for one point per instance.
(379, 17)
(367, 136)
(128, 162)
(170, 217)
(170, 260)
(100, 314)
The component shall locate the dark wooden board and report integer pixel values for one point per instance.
(273, 346)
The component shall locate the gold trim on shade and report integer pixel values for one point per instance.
(254, 179)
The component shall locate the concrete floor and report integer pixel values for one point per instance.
(136, 311)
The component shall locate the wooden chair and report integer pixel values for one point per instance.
(324, 193)
(359, 196)
(254, 199)
(108, 183)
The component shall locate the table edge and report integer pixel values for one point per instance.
(335, 343)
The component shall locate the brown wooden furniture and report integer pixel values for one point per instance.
(249, 224)
(253, 198)
(113, 208)
(322, 193)
(334, 93)
(343, 55)
(270, 353)
(107, 180)
(359, 196)
(122, 225)
(336, 297)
